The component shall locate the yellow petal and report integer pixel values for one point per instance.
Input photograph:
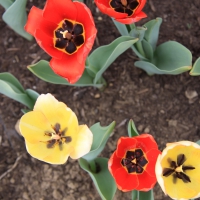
(57, 112)
(50, 155)
(83, 142)
(179, 189)
(33, 126)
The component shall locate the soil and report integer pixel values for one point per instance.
(168, 107)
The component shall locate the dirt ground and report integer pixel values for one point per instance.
(161, 105)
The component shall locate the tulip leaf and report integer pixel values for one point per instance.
(6, 3)
(100, 137)
(132, 131)
(152, 33)
(32, 94)
(198, 142)
(43, 71)
(121, 28)
(101, 58)
(138, 32)
(12, 88)
(137, 53)
(146, 195)
(196, 68)
(15, 16)
(148, 50)
(169, 58)
(102, 180)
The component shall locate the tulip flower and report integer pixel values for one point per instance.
(132, 165)
(123, 11)
(52, 133)
(66, 31)
(178, 170)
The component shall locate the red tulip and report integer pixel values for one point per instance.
(133, 163)
(66, 31)
(123, 11)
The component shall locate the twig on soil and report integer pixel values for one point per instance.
(152, 6)
(13, 167)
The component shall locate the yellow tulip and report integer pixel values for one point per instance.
(178, 170)
(52, 133)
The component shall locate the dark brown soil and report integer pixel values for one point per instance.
(161, 105)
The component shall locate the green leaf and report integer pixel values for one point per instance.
(43, 71)
(146, 195)
(100, 137)
(16, 17)
(138, 32)
(198, 142)
(32, 94)
(132, 131)
(103, 180)
(8, 77)
(171, 56)
(152, 69)
(101, 58)
(11, 88)
(152, 33)
(121, 28)
(137, 53)
(6, 3)
(196, 68)
(148, 50)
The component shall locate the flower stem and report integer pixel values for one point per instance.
(93, 166)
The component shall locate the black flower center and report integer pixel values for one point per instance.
(178, 169)
(124, 6)
(58, 137)
(134, 161)
(69, 36)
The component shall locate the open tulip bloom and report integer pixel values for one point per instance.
(52, 133)
(66, 31)
(178, 170)
(133, 163)
(123, 11)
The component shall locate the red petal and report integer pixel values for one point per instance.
(124, 144)
(125, 181)
(105, 8)
(114, 163)
(141, 6)
(152, 156)
(132, 19)
(146, 142)
(46, 43)
(68, 67)
(36, 21)
(90, 30)
(34, 18)
(146, 182)
(57, 10)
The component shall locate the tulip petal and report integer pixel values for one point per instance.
(50, 155)
(114, 163)
(68, 67)
(125, 144)
(140, 7)
(152, 156)
(60, 10)
(146, 182)
(144, 143)
(83, 142)
(33, 126)
(125, 181)
(57, 112)
(36, 21)
(46, 43)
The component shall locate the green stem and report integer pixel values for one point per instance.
(139, 47)
(134, 195)
(93, 166)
